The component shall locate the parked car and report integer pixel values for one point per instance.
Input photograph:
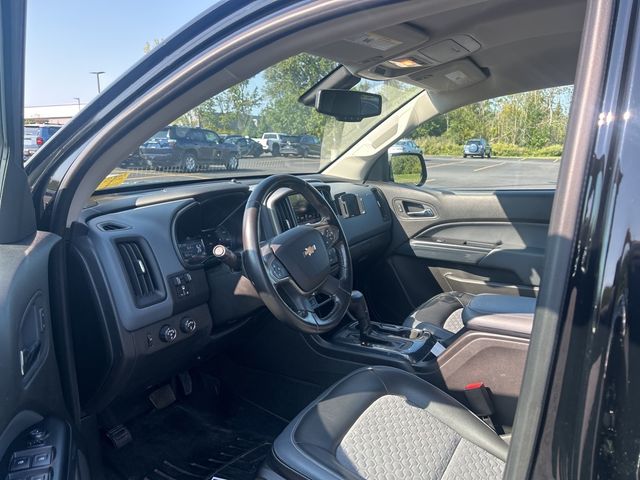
(35, 136)
(188, 149)
(477, 147)
(247, 147)
(134, 160)
(406, 145)
(271, 142)
(301, 145)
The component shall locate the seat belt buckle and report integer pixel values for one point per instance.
(479, 399)
(480, 403)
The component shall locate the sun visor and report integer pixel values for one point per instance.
(452, 76)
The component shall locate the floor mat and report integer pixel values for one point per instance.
(184, 442)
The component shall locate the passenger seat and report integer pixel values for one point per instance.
(451, 311)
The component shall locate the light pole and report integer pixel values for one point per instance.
(97, 74)
(77, 99)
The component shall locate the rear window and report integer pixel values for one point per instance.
(474, 142)
(31, 130)
(269, 135)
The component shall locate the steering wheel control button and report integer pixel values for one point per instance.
(20, 463)
(168, 334)
(277, 270)
(188, 325)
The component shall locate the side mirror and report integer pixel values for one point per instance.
(408, 168)
(348, 105)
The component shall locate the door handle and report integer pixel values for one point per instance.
(28, 357)
(426, 212)
(410, 208)
(418, 210)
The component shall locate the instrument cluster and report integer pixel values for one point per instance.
(203, 225)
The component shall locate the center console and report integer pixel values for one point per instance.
(409, 344)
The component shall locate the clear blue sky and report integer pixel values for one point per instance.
(67, 39)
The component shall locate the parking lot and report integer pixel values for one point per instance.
(443, 172)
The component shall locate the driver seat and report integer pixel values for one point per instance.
(385, 423)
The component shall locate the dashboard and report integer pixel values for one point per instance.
(154, 298)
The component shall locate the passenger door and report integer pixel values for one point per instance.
(35, 429)
(468, 240)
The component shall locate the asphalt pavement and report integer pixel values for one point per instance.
(442, 172)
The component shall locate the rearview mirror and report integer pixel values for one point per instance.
(408, 168)
(348, 105)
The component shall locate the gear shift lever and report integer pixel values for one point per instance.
(358, 309)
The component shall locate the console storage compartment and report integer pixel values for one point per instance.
(501, 314)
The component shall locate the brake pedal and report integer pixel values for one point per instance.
(162, 397)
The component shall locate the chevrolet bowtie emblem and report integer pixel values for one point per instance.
(310, 250)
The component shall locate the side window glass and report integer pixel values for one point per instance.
(211, 137)
(197, 136)
(506, 143)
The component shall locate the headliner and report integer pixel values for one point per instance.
(523, 45)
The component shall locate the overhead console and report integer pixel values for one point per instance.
(424, 57)
(407, 51)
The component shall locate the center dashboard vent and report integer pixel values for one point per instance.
(382, 204)
(325, 191)
(285, 215)
(142, 271)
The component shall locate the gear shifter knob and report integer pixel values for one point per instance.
(358, 308)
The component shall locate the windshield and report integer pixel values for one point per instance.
(266, 109)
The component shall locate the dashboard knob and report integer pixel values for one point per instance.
(168, 334)
(188, 325)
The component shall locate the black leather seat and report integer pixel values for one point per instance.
(381, 422)
(451, 311)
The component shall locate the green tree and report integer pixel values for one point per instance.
(283, 85)
(432, 128)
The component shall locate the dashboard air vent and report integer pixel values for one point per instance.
(382, 204)
(141, 272)
(285, 214)
(325, 191)
(111, 226)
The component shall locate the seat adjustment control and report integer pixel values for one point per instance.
(168, 333)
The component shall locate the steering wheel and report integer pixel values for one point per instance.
(292, 271)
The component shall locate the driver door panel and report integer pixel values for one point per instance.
(32, 398)
(474, 242)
